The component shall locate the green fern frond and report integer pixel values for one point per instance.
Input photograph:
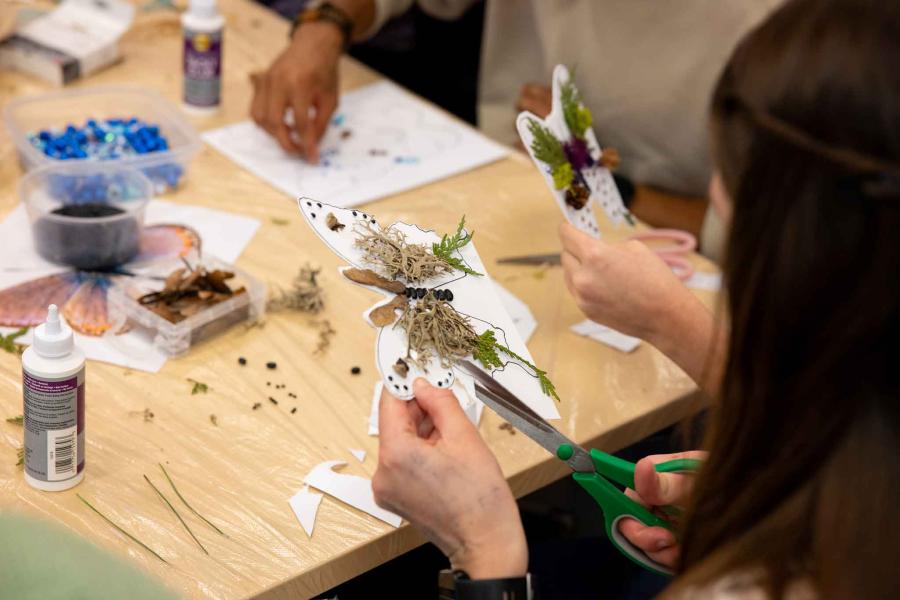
(545, 146)
(450, 244)
(486, 352)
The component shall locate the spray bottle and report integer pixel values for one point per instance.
(202, 26)
(53, 388)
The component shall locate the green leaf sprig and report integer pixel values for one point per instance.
(8, 342)
(199, 387)
(450, 244)
(487, 351)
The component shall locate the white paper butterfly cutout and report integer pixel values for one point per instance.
(473, 296)
(598, 179)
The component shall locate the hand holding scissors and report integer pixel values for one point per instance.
(595, 471)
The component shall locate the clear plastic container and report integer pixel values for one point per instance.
(177, 338)
(87, 216)
(56, 110)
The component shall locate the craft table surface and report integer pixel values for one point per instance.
(241, 472)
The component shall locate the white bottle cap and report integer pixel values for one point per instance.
(204, 9)
(54, 338)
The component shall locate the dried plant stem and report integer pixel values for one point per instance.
(169, 504)
(185, 502)
(389, 250)
(122, 531)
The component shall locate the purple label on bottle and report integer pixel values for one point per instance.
(54, 426)
(202, 68)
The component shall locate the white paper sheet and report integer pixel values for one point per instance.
(381, 141)
(224, 235)
(305, 505)
(358, 453)
(606, 335)
(350, 489)
(518, 312)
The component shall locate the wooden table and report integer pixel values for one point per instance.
(241, 472)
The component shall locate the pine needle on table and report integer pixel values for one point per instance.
(169, 504)
(185, 502)
(122, 531)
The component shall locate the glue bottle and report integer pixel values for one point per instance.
(202, 26)
(53, 389)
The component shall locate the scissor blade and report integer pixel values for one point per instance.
(531, 259)
(522, 417)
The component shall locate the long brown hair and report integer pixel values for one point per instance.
(804, 469)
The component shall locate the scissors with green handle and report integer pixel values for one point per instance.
(595, 471)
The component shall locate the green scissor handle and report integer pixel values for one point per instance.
(616, 505)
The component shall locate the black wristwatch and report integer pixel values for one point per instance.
(457, 585)
(326, 11)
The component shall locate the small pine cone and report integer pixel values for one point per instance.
(577, 196)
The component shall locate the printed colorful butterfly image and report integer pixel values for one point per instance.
(82, 294)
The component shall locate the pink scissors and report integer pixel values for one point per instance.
(674, 254)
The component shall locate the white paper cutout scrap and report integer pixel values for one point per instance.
(474, 296)
(305, 505)
(381, 141)
(350, 489)
(597, 179)
(373, 412)
(606, 335)
(358, 453)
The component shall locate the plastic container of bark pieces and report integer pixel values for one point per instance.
(27, 117)
(125, 309)
(86, 216)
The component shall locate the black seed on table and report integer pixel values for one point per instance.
(356, 370)
(273, 400)
(268, 383)
(256, 405)
(242, 361)
(293, 410)
(271, 365)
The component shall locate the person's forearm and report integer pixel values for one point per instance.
(691, 337)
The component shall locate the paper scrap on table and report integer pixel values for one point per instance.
(350, 489)
(704, 281)
(606, 335)
(521, 315)
(305, 505)
(223, 235)
(359, 453)
(382, 140)
(373, 412)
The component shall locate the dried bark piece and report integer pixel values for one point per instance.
(401, 368)
(386, 314)
(332, 222)
(370, 277)
(174, 279)
(610, 158)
